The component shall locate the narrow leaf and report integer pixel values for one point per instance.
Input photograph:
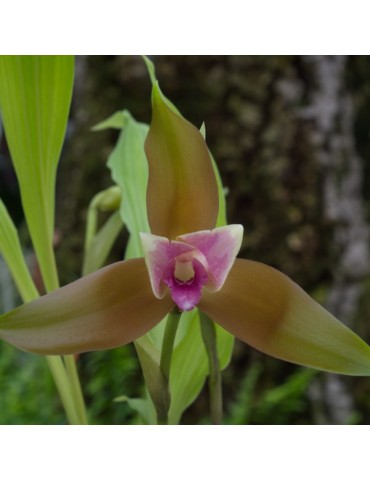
(107, 200)
(140, 406)
(101, 244)
(10, 249)
(117, 120)
(129, 169)
(35, 97)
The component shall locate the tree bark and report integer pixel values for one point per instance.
(331, 110)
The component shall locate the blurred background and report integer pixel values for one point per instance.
(290, 135)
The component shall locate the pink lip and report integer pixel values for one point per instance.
(208, 255)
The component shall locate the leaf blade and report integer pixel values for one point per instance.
(129, 170)
(35, 97)
(10, 249)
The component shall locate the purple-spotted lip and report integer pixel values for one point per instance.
(191, 262)
(186, 293)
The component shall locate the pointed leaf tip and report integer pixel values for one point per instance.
(182, 194)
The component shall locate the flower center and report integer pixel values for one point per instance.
(184, 270)
(191, 262)
(185, 277)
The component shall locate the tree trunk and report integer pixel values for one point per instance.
(331, 110)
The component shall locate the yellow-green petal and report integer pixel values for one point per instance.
(106, 309)
(267, 310)
(182, 194)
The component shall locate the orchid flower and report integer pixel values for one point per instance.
(187, 263)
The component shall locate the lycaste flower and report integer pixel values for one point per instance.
(188, 263)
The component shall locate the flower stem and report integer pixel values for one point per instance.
(69, 377)
(76, 391)
(166, 353)
(64, 371)
(61, 380)
(169, 341)
(215, 382)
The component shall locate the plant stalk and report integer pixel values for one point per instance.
(166, 354)
(64, 373)
(62, 383)
(76, 391)
(215, 381)
(169, 341)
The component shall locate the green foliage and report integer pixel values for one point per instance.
(101, 244)
(35, 97)
(279, 404)
(98, 243)
(10, 249)
(129, 170)
(27, 393)
(241, 410)
(106, 375)
(274, 406)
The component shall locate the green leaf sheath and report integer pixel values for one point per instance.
(129, 169)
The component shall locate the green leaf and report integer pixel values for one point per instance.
(101, 244)
(151, 68)
(129, 169)
(140, 405)
(154, 379)
(35, 97)
(117, 120)
(10, 249)
(221, 217)
(107, 200)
